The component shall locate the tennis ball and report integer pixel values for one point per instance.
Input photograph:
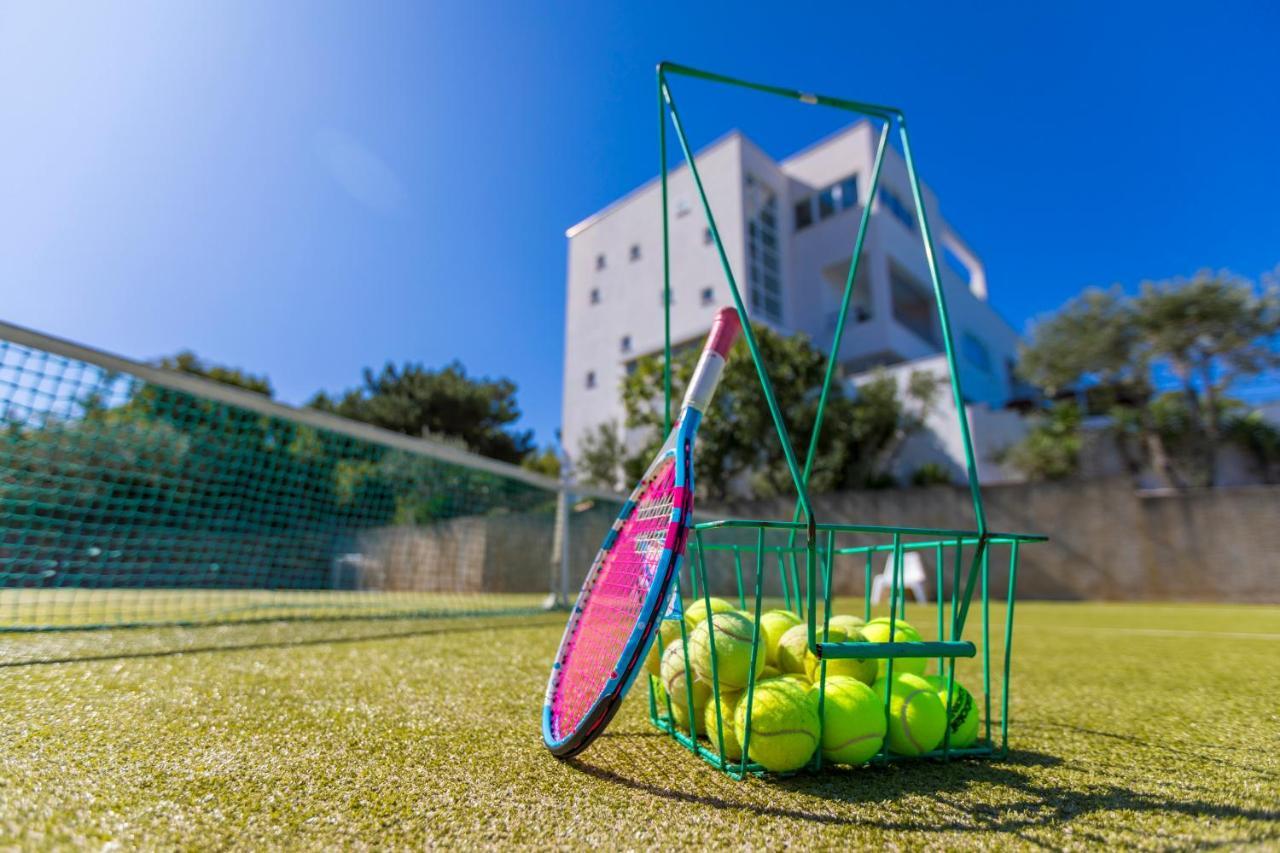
(728, 708)
(784, 724)
(853, 724)
(792, 647)
(877, 631)
(863, 669)
(773, 625)
(673, 681)
(668, 630)
(696, 612)
(733, 635)
(963, 718)
(917, 719)
(848, 623)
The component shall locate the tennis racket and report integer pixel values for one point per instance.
(624, 597)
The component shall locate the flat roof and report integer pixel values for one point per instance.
(577, 229)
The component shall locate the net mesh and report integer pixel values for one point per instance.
(614, 601)
(124, 501)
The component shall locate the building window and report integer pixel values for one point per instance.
(662, 293)
(682, 207)
(804, 214)
(707, 239)
(976, 351)
(913, 306)
(762, 250)
(635, 252)
(625, 345)
(595, 296)
(591, 379)
(848, 192)
(827, 203)
(896, 207)
(708, 296)
(600, 262)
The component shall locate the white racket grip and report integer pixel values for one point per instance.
(705, 379)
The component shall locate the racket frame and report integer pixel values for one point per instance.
(678, 447)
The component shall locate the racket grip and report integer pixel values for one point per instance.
(724, 331)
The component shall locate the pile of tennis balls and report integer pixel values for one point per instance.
(785, 724)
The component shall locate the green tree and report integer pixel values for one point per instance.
(737, 443)
(188, 362)
(545, 462)
(438, 403)
(1051, 448)
(602, 457)
(1208, 332)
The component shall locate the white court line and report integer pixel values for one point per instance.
(1163, 632)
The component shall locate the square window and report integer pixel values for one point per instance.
(708, 296)
(635, 251)
(826, 203)
(849, 192)
(591, 379)
(625, 344)
(595, 296)
(682, 207)
(804, 213)
(600, 262)
(707, 239)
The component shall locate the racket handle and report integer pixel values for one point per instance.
(724, 331)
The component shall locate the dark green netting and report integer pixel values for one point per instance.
(126, 500)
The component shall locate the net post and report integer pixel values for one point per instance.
(559, 597)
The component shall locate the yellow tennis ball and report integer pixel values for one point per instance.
(668, 630)
(773, 625)
(877, 631)
(848, 623)
(677, 687)
(863, 669)
(696, 611)
(917, 719)
(728, 707)
(784, 724)
(733, 637)
(792, 647)
(963, 718)
(853, 724)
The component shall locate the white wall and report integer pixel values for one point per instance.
(991, 430)
(631, 292)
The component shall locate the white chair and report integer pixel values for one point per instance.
(912, 577)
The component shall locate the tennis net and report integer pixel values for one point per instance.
(132, 495)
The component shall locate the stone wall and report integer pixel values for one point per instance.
(1106, 540)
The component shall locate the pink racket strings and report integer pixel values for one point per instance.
(613, 602)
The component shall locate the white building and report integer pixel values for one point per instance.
(788, 229)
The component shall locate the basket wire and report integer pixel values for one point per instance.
(815, 544)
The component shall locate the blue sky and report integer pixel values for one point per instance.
(304, 189)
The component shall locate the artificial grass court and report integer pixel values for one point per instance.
(1149, 726)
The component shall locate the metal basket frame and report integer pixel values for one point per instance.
(818, 544)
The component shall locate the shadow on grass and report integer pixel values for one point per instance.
(230, 644)
(1016, 797)
(1200, 754)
